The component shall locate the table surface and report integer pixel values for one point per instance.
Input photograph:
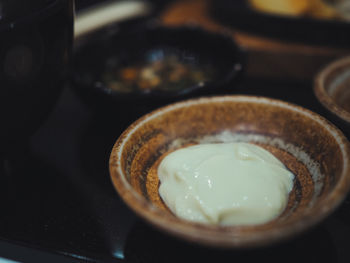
(58, 202)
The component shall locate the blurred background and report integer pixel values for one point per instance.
(58, 204)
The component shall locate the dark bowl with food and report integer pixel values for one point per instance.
(147, 66)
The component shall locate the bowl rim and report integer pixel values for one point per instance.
(227, 236)
(320, 90)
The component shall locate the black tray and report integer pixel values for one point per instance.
(58, 201)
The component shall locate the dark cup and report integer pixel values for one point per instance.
(35, 50)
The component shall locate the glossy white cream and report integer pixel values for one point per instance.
(224, 183)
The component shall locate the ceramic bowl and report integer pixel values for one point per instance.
(105, 66)
(310, 146)
(331, 88)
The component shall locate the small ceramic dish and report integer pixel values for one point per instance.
(332, 89)
(310, 146)
(154, 65)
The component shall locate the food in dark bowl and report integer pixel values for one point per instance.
(152, 65)
(162, 70)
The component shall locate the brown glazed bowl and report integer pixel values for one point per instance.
(332, 89)
(310, 146)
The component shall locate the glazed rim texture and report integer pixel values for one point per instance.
(326, 83)
(310, 138)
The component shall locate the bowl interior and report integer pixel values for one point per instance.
(314, 150)
(215, 55)
(332, 88)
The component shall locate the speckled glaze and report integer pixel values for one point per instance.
(332, 89)
(311, 147)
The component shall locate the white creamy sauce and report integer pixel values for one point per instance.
(224, 183)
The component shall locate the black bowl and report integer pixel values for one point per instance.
(137, 44)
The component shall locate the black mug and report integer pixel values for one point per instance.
(35, 51)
